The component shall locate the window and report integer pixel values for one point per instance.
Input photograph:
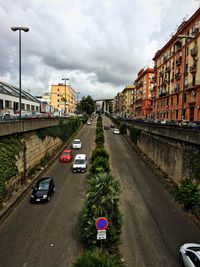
(1, 103)
(22, 106)
(32, 108)
(37, 108)
(193, 258)
(8, 104)
(28, 107)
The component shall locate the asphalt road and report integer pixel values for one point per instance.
(46, 235)
(154, 225)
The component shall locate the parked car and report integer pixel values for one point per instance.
(66, 156)
(106, 127)
(80, 163)
(77, 144)
(189, 255)
(43, 190)
(116, 131)
(5, 116)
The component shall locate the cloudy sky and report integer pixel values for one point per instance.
(100, 45)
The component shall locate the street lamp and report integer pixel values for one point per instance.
(65, 79)
(186, 37)
(25, 29)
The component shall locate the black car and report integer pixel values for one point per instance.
(43, 190)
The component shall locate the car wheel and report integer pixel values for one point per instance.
(49, 198)
(181, 259)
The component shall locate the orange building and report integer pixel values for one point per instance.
(176, 93)
(142, 96)
(63, 98)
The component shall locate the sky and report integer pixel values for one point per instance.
(99, 45)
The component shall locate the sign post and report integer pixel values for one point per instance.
(101, 225)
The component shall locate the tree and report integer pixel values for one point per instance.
(87, 105)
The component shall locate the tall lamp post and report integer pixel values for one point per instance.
(25, 29)
(186, 37)
(65, 112)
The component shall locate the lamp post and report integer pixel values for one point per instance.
(65, 112)
(186, 37)
(25, 29)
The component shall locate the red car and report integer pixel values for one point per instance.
(66, 156)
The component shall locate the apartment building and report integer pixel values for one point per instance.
(127, 100)
(63, 98)
(143, 94)
(118, 104)
(176, 92)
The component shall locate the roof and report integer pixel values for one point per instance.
(11, 90)
(80, 156)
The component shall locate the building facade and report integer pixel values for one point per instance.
(9, 100)
(176, 93)
(127, 100)
(142, 97)
(63, 99)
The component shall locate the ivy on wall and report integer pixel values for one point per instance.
(192, 162)
(10, 147)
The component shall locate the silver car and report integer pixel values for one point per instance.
(189, 255)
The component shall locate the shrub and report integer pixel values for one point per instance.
(188, 194)
(97, 258)
(99, 139)
(100, 165)
(99, 152)
(134, 134)
(122, 128)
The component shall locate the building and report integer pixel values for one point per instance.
(142, 95)
(63, 98)
(9, 100)
(128, 93)
(118, 104)
(176, 93)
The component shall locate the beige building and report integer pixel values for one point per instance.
(127, 100)
(63, 98)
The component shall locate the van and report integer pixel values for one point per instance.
(80, 163)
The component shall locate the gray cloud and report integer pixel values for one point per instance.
(99, 46)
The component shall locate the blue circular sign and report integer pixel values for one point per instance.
(101, 223)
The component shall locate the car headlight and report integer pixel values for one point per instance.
(32, 196)
(44, 196)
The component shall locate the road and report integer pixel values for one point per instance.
(154, 225)
(46, 235)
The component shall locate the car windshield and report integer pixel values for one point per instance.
(44, 185)
(76, 142)
(79, 161)
(66, 153)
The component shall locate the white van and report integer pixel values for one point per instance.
(80, 163)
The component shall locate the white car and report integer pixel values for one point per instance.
(89, 122)
(189, 255)
(80, 163)
(116, 131)
(77, 144)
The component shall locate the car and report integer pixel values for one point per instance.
(116, 131)
(77, 144)
(43, 190)
(106, 127)
(80, 163)
(5, 116)
(189, 255)
(66, 156)
(89, 122)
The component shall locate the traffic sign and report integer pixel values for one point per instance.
(101, 234)
(101, 223)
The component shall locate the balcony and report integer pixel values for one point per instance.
(194, 51)
(178, 62)
(168, 69)
(176, 89)
(178, 76)
(195, 31)
(193, 68)
(161, 73)
(162, 92)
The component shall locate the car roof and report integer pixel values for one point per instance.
(46, 179)
(80, 156)
(77, 140)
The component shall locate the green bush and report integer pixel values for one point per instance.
(122, 128)
(99, 139)
(188, 194)
(100, 165)
(97, 258)
(134, 134)
(99, 152)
